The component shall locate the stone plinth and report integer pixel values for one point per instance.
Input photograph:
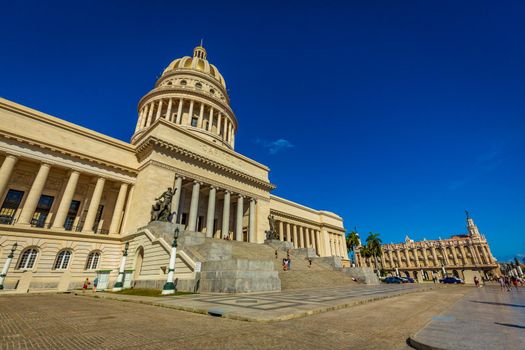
(280, 245)
(362, 274)
(239, 276)
(306, 252)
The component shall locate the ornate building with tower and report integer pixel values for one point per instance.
(71, 197)
(464, 256)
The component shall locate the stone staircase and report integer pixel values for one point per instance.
(241, 267)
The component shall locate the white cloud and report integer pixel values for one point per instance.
(275, 146)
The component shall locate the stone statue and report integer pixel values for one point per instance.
(271, 233)
(467, 213)
(161, 210)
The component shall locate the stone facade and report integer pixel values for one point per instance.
(71, 197)
(463, 256)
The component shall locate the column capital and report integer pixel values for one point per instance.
(253, 200)
(12, 156)
(198, 182)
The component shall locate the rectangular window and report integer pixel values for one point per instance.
(11, 202)
(184, 218)
(42, 211)
(194, 122)
(71, 215)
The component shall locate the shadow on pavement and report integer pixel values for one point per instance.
(510, 325)
(494, 303)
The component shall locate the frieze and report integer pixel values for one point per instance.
(21, 177)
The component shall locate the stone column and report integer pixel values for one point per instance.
(454, 255)
(295, 243)
(463, 254)
(319, 244)
(151, 105)
(65, 202)
(5, 172)
(398, 254)
(484, 253)
(194, 206)
(416, 257)
(391, 258)
(301, 237)
(175, 202)
(179, 111)
(93, 205)
(281, 231)
(238, 221)
(332, 246)
(425, 257)
(211, 212)
(201, 116)
(210, 119)
(159, 111)
(140, 120)
(288, 232)
(128, 205)
(407, 257)
(117, 211)
(251, 233)
(168, 112)
(192, 102)
(434, 256)
(219, 120)
(226, 214)
(34, 195)
(307, 236)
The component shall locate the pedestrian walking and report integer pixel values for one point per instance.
(86, 285)
(276, 253)
(309, 262)
(501, 281)
(95, 283)
(476, 281)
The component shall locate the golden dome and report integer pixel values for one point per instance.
(198, 63)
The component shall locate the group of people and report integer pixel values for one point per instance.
(87, 283)
(506, 282)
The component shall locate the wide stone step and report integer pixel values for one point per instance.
(313, 279)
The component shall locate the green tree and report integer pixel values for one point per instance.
(373, 244)
(352, 242)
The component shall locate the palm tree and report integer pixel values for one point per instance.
(373, 243)
(352, 242)
(365, 253)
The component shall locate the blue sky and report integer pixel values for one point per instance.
(396, 115)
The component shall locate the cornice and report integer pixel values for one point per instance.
(279, 214)
(66, 152)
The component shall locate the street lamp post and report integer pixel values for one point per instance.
(169, 286)
(120, 278)
(6, 265)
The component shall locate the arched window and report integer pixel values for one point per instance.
(27, 259)
(62, 260)
(212, 91)
(183, 82)
(92, 261)
(198, 86)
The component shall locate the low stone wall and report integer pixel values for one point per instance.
(181, 285)
(362, 274)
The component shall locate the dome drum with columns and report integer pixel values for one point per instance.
(191, 93)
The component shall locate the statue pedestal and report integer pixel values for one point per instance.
(277, 244)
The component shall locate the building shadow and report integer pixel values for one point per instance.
(510, 325)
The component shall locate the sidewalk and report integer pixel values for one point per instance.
(486, 318)
(275, 306)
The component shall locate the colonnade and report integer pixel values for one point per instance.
(200, 115)
(213, 191)
(37, 188)
(436, 255)
(302, 236)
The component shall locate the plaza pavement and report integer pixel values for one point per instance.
(275, 306)
(486, 318)
(72, 322)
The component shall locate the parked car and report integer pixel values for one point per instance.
(393, 279)
(410, 280)
(451, 280)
